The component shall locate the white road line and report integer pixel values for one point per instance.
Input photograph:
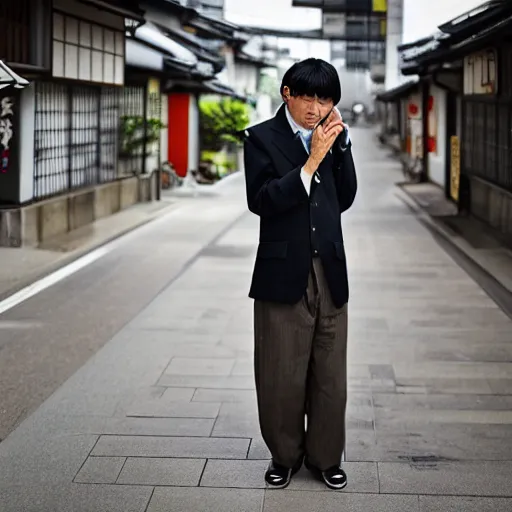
(68, 270)
(44, 283)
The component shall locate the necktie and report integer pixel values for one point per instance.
(307, 139)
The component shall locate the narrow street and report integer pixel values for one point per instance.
(162, 415)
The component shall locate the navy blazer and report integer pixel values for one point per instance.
(273, 158)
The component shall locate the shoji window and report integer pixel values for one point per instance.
(87, 51)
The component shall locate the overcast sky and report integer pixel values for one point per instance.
(421, 18)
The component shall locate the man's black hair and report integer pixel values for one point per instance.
(313, 77)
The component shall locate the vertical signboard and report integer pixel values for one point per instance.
(9, 172)
(414, 139)
(454, 167)
(379, 5)
(6, 131)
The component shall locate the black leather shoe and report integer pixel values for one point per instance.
(334, 477)
(279, 477)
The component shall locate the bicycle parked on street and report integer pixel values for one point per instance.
(412, 167)
(169, 177)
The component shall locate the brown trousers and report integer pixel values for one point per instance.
(300, 363)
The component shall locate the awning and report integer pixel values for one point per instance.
(218, 29)
(466, 33)
(126, 8)
(8, 78)
(298, 34)
(153, 36)
(142, 56)
(250, 59)
(470, 21)
(196, 46)
(205, 87)
(399, 92)
(467, 46)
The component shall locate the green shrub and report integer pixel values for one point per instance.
(221, 121)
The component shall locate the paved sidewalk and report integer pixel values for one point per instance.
(468, 235)
(163, 418)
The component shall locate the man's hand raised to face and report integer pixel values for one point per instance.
(322, 140)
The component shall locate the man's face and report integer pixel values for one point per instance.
(307, 111)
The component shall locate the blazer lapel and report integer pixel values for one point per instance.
(290, 145)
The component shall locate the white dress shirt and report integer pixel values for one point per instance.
(304, 135)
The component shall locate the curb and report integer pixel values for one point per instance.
(82, 251)
(460, 253)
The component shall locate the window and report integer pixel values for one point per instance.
(480, 73)
(25, 34)
(86, 51)
(489, 69)
(76, 137)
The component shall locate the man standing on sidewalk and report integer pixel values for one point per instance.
(300, 177)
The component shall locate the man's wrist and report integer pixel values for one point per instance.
(311, 166)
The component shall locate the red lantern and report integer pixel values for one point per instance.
(431, 143)
(430, 103)
(413, 109)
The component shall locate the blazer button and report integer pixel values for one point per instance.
(314, 229)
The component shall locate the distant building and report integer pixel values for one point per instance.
(211, 8)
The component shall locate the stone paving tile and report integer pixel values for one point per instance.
(458, 504)
(144, 395)
(190, 427)
(439, 369)
(162, 471)
(258, 449)
(201, 499)
(446, 386)
(362, 446)
(200, 381)
(161, 408)
(338, 501)
(100, 470)
(224, 395)
(243, 368)
(500, 386)
(42, 457)
(75, 425)
(362, 478)
(464, 352)
(459, 417)
(75, 498)
(449, 442)
(186, 447)
(203, 367)
(237, 419)
(450, 478)
(247, 474)
(436, 403)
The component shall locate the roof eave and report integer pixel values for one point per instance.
(132, 13)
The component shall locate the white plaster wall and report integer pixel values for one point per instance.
(246, 78)
(193, 134)
(437, 162)
(164, 133)
(27, 127)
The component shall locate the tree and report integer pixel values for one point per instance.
(221, 122)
